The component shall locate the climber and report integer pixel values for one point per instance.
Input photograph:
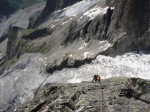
(96, 78)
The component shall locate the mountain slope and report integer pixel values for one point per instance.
(5, 9)
(90, 97)
(8, 7)
(64, 44)
(130, 26)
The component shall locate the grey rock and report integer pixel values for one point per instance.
(70, 42)
(87, 97)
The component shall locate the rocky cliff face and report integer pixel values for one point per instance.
(57, 42)
(53, 5)
(129, 27)
(106, 96)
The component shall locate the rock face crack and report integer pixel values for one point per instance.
(38, 107)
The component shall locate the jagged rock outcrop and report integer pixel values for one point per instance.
(136, 88)
(129, 27)
(18, 39)
(51, 6)
(87, 97)
(123, 25)
(20, 19)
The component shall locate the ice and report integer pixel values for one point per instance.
(70, 55)
(80, 18)
(73, 11)
(40, 59)
(52, 26)
(87, 55)
(127, 65)
(112, 8)
(83, 46)
(92, 13)
(101, 42)
(74, 80)
(65, 22)
(76, 8)
(104, 45)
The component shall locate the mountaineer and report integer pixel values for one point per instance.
(96, 78)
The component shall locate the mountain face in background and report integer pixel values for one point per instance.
(5, 9)
(8, 7)
(23, 3)
(68, 41)
(53, 5)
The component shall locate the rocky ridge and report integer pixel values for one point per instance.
(92, 97)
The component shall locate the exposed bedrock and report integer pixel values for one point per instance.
(87, 97)
(129, 27)
(51, 6)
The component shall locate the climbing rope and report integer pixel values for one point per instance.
(101, 87)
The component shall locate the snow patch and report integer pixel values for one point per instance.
(25, 70)
(65, 22)
(112, 8)
(76, 8)
(80, 18)
(105, 46)
(87, 54)
(70, 55)
(41, 59)
(52, 26)
(102, 42)
(74, 80)
(92, 13)
(83, 46)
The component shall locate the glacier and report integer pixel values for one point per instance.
(127, 65)
(89, 11)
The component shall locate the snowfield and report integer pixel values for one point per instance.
(92, 13)
(76, 8)
(86, 9)
(127, 65)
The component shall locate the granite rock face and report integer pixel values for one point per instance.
(91, 97)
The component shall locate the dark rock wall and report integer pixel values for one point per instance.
(53, 5)
(13, 42)
(5, 9)
(129, 25)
